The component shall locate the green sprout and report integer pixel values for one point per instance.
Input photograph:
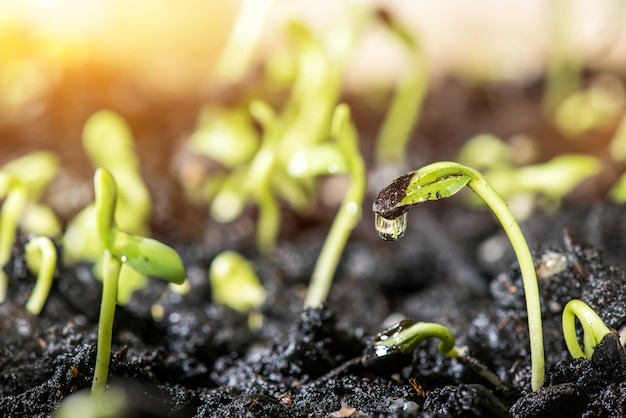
(235, 284)
(444, 179)
(22, 182)
(407, 101)
(144, 255)
(406, 335)
(594, 328)
(342, 156)
(41, 257)
(109, 143)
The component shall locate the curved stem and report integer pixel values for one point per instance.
(531, 288)
(105, 324)
(45, 275)
(594, 328)
(444, 179)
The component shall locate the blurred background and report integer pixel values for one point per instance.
(157, 62)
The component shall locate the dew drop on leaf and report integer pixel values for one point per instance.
(390, 229)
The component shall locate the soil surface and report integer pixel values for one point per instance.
(199, 359)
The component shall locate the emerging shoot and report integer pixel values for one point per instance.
(594, 328)
(444, 179)
(234, 282)
(41, 257)
(404, 337)
(144, 255)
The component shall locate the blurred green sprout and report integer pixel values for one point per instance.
(41, 259)
(22, 181)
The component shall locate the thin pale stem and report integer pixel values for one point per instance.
(531, 288)
(105, 325)
(45, 275)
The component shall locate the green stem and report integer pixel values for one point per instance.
(531, 288)
(105, 325)
(45, 275)
(594, 328)
(349, 213)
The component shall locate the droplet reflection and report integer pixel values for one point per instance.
(390, 229)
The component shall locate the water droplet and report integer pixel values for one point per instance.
(390, 229)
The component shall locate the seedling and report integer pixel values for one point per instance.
(594, 328)
(341, 157)
(234, 282)
(21, 183)
(41, 257)
(108, 141)
(444, 179)
(144, 255)
(402, 338)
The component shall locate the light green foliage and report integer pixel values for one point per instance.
(545, 183)
(82, 404)
(594, 108)
(263, 179)
(22, 181)
(144, 255)
(405, 107)
(346, 158)
(234, 282)
(443, 179)
(594, 328)
(41, 258)
(108, 141)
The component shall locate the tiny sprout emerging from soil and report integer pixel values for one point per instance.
(444, 179)
(342, 156)
(594, 328)
(41, 257)
(147, 256)
(21, 183)
(404, 337)
(234, 282)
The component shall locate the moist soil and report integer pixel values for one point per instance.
(185, 356)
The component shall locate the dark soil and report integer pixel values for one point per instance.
(202, 360)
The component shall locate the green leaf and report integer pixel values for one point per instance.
(433, 182)
(148, 257)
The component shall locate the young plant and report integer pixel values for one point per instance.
(235, 284)
(343, 156)
(594, 328)
(21, 183)
(41, 257)
(108, 141)
(144, 255)
(444, 179)
(402, 338)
